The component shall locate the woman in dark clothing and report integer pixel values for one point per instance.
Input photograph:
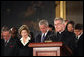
(23, 49)
(70, 26)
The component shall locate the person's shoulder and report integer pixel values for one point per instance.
(51, 32)
(19, 40)
(13, 40)
(81, 37)
(37, 34)
(2, 40)
(70, 33)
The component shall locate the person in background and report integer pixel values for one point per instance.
(66, 21)
(70, 26)
(44, 32)
(32, 37)
(14, 33)
(23, 49)
(51, 27)
(79, 39)
(8, 44)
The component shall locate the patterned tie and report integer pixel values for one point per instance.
(42, 39)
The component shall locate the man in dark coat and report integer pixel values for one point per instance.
(47, 37)
(45, 33)
(62, 35)
(79, 39)
(8, 44)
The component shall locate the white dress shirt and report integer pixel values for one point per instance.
(79, 36)
(27, 40)
(44, 33)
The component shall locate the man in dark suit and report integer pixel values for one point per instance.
(44, 34)
(8, 44)
(66, 37)
(79, 39)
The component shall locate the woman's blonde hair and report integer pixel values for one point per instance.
(24, 27)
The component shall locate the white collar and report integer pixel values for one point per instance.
(79, 35)
(27, 40)
(45, 33)
(60, 32)
(7, 40)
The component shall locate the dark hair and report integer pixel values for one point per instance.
(79, 26)
(71, 22)
(15, 30)
(66, 20)
(51, 26)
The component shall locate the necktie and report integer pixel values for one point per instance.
(5, 43)
(76, 39)
(42, 39)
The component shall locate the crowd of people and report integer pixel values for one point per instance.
(14, 42)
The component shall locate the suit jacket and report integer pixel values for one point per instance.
(10, 49)
(24, 50)
(32, 37)
(38, 37)
(80, 46)
(68, 38)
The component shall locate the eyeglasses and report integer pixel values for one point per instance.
(58, 24)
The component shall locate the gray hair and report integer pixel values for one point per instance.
(43, 22)
(61, 19)
(4, 29)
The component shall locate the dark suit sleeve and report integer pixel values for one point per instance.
(80, 46)
(38, 38)
(32, 37)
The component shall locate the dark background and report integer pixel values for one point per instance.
(74, 11)
(17, 13)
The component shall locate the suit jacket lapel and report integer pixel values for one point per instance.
(39, 38)
(47, 35)
(9, 42)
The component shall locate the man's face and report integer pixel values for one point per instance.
(77, 32)
(43, 28)
(58, 26)
(6, 35)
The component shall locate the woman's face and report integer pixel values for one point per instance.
(70, 27)
(24, 33)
